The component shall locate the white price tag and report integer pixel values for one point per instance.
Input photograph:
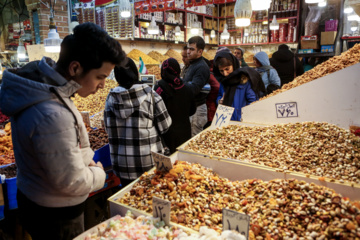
(222, 116)
(86, 118)
(233, 220)
(161, 209)
(162, 162)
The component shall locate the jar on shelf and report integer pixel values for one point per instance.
(274, 36)
(283, 32)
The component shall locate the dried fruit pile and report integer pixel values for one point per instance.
(211, 53)
(334, 64)
(95, 103)
(174, 54)
(279, 209)
(98, 138)
(157, 56)
(135, 54)
(6, 146)
(9, 171)
(320, 149)
(207, 56)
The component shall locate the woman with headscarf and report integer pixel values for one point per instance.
(179, 102)
(268, 74)
(238, 86)
(131, 111)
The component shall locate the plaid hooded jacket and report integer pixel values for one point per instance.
(128, 117)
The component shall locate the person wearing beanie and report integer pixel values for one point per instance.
(179, 101)
(130, 112)
(239, 54)
(286, 64)
(268, 74)
(238, 86)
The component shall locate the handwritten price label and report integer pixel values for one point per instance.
(222, 116)
(233, 220)
(162, 162)
(161, 209)
(286, 110)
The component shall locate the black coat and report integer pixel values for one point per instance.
(181, 105)
(283, 62)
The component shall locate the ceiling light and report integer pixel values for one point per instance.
(322, 4)
(348, 10)
(153, 28)
(74, 22)
(242, 13)
(258, 5)
(21, 51)
(212, 34)
(177, 31)
(225, 34)
(274, 25)
(312, 1)
(53, 42)
(354, 26)
(265, 22)
(195, 28)
(125, 8)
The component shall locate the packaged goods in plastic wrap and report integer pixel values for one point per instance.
(95, 103)
(318, 149)
(157, 56)
(174, 54)
(279, 209)
(136, 54)
(334, 64)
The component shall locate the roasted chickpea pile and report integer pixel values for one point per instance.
(279, 209)
(95, 103)
(334, 64)
(312, 148)
(98, 138)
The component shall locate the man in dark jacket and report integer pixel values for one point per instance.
(196, 77)
(283, 62)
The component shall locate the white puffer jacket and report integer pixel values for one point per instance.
(51, 145)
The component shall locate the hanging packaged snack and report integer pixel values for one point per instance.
(169, 4)
(137, 7)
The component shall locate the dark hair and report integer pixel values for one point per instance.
(221, 62)
(91, 46)
(185, 48)
(283, 46)
(127, 75)
(199, 41)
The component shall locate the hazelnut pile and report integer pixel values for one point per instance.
(136, 54)
(95, 103)
(312, 148)
(98, 138)
(279, 209)
(334, 64)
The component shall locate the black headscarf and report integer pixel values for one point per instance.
(170, 72)
(235, 78)
(128, 75)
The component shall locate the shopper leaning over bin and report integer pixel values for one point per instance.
(56, 172)
(131, 111)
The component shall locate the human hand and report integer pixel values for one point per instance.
(99, 164)
(92, 163)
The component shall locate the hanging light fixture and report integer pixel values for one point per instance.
(125, 8)
(348, 9)
(195, 28)
(242, 13)
(74, 22)
(258, 5)
(312, 1)
(322, 4)
(21, 51)
(153, 28)
(274, 25)
(353, 17)
(354, 26)
(225, 34)
(177, 30)
(53, 42)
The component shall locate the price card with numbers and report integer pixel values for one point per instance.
(161, 209)
(222, 116)
(162, 162)
(233, 220)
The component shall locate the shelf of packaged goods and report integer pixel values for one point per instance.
(155, 40)
(227, 17)
(243, 44)
(146, 20)
(275, 43)
(208, 29)
(201, 14)
(173, 24)
(282, 18)
(257, 21)
(350, 38)
(232, 30)
(316, 54)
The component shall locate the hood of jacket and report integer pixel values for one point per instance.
(263, 58)
(283, 55)
(29, 85)
(126, 101)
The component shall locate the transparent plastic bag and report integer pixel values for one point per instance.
(312, 21)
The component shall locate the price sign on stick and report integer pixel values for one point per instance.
(86, 118)
(233, 220)
(161, 209)
(162, 162)
(222, 116)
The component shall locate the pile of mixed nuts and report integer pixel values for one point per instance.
(312, 148)
(279, 209)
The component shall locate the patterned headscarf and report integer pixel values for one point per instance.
(170, 73)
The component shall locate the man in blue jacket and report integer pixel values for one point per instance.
(196, 77)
